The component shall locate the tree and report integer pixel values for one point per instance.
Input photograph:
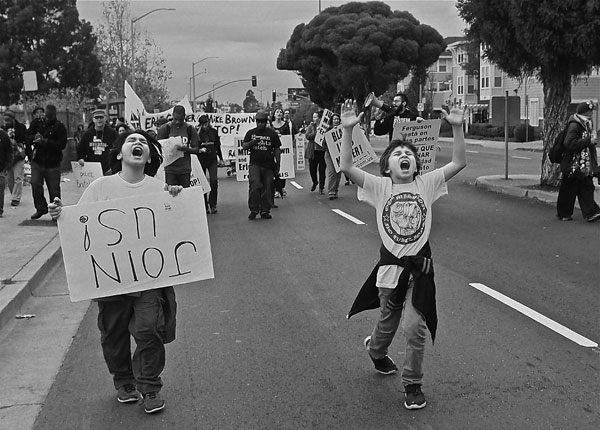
(49, 38)
(356, 48)
(114, 49)
(553, 40)
(250, 103)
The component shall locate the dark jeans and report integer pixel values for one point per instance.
(2, 186)
(39, 175)
(583, 190)
(260, 192)
(317, 164)
(211, 201)
(182, 179)
(141, 317)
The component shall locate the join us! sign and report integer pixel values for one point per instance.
(135, 244)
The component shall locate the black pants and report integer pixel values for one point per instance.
(580, 188)
(260, 193)
(182, 179)
(317, 164)
(214, 184)
(143, 318)
(39, 175)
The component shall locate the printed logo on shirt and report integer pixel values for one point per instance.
(398, 119)
(403, 218)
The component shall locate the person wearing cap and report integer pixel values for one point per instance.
(16, 172)
(97, 142)
(179, 171)
(209, 155)
(265, 156)
(578, 166)
(46, 140)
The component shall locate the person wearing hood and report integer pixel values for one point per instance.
(578, 166)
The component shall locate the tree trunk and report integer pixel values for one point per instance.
(557, 96)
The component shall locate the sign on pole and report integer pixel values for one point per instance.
(135, 244)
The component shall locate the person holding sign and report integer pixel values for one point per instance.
(96, 142)
(209, 155)
(387, 116)
(401, 284)
(333, 177)
(148, 316)
(265, 157)
(315, 154)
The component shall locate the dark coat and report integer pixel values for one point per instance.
(6, 151)
(575, 142)
(48, 151)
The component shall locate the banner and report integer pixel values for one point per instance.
(362, 150)
(134, 108)
(86, 174)
(242, 160)
(135, 244)
(324, 125)
(424, 135)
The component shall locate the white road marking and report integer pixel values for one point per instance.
(296, 184)
(349, 217)
(521, 158)
(473, 152)
(536, 316)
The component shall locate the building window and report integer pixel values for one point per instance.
(442, 65)
(444, 86)
(485, 77)
(462, 57)
(498, 79)
(460, 85)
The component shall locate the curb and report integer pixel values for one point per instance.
(14, 295)
(516, 188)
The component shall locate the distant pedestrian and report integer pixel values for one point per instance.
(179, 171)
(333, 177)
(265, 156)
(209, 155)
(284, 127)
(147, 316)
(96, 142)
(17, 133)
(402, 283)
(47, 138)
(6, 154)
(315, 154)
(578, 166)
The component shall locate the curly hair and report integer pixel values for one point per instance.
(156, 158)
(385, 157)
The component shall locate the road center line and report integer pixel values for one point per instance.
(536, 316)
(521, 158)
(473, 152)
(296, 184)
(349, 217)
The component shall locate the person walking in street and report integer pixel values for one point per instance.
(401, 284)
(17, 133)
(283, 127)
(209, 155)
(386, 117)
(147, 316)
(578, 166)
(6, 154)
(333, 177)
(96, 142)
(46, 141)
(179, 171)
(265, 156)
(315, 154)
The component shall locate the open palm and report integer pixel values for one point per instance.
(456, 116)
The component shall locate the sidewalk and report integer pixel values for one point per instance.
(29, 247)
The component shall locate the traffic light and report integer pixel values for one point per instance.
(274, 96)
(254, 80)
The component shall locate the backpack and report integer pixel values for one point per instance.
(557, 149)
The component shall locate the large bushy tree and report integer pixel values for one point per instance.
(553, 40)
(114, 49)
(49, 38)
(356, 48)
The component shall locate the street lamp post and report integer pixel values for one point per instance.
(215, 84)
(194, 82)
(133, 21)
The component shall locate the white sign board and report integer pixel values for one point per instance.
(323, 126)
(286, 167)
(424, 135)
(197, 176)
(362, 150)
(135, 244)
(242, 160)
(86, 174)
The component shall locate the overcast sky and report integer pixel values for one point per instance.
(246, 36)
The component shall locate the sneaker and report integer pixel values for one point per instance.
(385, 365)
(127, 394)
(314, 187)
(564, 218)
(265, 215)
(332, 196)
(321, 191)
(277, 195)
(594, 217)
(38, 214)
(414, 397)
(153, 402)
(252, 215)
(213, 210)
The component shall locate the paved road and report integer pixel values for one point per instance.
(266, 344)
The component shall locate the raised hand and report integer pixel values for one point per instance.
(348, 117)
(456, 116)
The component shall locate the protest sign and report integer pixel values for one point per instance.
(424, 135)
(242, 160)
(86, 174)
(300, 144)
(362, 150)
(133, 244)
(169, 152)
(197, 176)
(286, 168)
(323, 126)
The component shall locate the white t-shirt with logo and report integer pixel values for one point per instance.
(403, 213)
(114, 187)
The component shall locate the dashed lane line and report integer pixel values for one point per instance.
(348, 217)
(536, 316)
(521, 158)
(296, 184)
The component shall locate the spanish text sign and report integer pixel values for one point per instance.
(424, 135)
(135, 244)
